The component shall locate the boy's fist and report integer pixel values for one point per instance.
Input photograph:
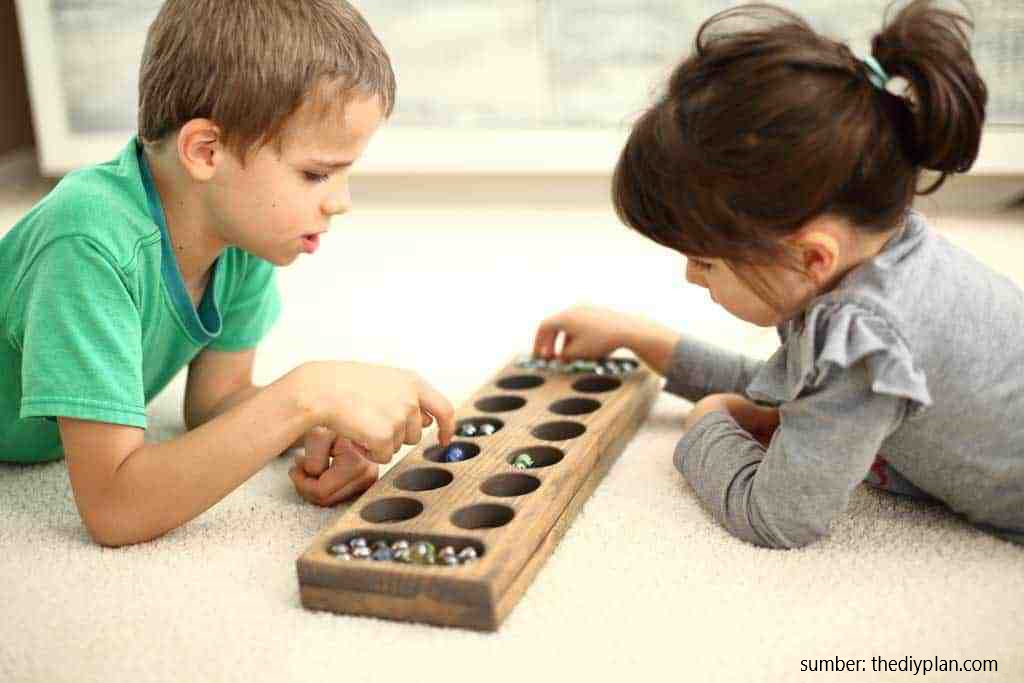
(377, 407)
(332, 470)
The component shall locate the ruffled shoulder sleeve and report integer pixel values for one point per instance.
(835, 336)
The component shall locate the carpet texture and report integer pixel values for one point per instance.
(643, 585)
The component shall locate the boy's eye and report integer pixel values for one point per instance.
(314, 177)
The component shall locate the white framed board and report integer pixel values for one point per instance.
(505, 87)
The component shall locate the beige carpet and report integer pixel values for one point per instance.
(644, 585)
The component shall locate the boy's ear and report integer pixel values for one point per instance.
(199, 148)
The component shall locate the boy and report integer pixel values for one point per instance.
(250, 116)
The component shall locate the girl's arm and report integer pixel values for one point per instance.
(693, 368)
(786, 496)
(696, 368)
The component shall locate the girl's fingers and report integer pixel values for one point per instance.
(544, 341)
(569, 351)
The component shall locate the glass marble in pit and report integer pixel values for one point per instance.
(361, 553)
(383, 554)
(467, 554)
(357, 542)
(339, 549)
(422, 553)
(454, 454)
(400, 544)
(468, 429)
(523, 461)
(487, 429)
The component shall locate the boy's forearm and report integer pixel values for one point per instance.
(193, 421)
(161, 486)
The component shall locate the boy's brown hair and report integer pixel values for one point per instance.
(768, 126)
(248, 65)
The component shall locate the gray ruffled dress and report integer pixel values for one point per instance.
(908, 374)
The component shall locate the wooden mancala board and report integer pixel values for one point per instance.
(574, 423)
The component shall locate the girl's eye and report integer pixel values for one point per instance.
(703, 265)
(314, 177)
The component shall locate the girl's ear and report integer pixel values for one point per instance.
(819, 255)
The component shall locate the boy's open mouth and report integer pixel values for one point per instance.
(310, 242)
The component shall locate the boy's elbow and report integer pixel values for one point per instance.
(113, 537)
(191, 417)
(102, 534)
(107, 528)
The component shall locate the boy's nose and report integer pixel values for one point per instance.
(338, 202)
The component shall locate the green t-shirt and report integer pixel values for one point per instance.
(94, 316)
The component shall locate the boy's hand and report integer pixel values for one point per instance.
(377, 407)
(326, 482)
(586, 332)
(759, 421)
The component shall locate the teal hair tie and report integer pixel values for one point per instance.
(877, 74)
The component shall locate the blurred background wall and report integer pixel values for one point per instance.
(504, 101)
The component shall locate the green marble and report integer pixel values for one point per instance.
(422, 553)
(523, 461)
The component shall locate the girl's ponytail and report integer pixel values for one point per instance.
(929, 48)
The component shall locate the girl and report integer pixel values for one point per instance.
(784, 169)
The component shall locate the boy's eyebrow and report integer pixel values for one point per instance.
(329, 163)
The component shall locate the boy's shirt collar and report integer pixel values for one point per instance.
(204, 324)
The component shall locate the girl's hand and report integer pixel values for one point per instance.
(586, 332)
(759, 421)
(332, 469)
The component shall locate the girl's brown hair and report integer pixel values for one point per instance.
(248, 65)
(763, 129)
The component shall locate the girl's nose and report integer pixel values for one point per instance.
(694, 275)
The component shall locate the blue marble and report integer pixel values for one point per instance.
(454, 454)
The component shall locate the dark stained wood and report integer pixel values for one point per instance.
(479, 595)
